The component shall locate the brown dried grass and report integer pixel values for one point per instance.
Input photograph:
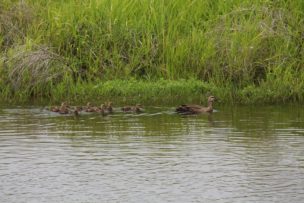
(35, 67)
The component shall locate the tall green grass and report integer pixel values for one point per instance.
(249, 51)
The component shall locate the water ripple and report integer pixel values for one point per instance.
(157, 156)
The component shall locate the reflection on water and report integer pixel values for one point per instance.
(244, 154)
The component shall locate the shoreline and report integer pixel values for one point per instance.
(164, 92)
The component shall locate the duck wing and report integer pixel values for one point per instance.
(188, 109)
(192, 109)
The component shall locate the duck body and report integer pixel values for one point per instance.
(135, 109)
(76, 111)
(101, 109)
(57, 109)
(196, 109)
(193, 109)
(89, 108)
(108, 107)
(126, 108)
(63, 110)
(54, 109)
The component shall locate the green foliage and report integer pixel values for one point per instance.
(246, 51)
(134, 91)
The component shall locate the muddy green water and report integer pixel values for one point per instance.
(243, 154)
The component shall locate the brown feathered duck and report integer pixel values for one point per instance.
(54, 108)
(57, 108)
(108, 107)
(101, 109)
(195, 109)
(89, 107)
(136, 109)
(64, 108)
(76, 110)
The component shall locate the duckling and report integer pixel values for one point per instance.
(137, 108)
(57, 108)
(108, 107)
(195, 109)
(101, 109)
(63, 109)
(76, 110)
(79, 108)
(54, 109)
(89, 108)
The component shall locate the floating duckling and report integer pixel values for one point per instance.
(64, 108)
(108, 107)
(89, 108)
(79, 108)
(101, 109)
(76, 110)
(136, 109)
(54, 109)
(57, 108)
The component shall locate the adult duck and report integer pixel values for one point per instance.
(195, 109)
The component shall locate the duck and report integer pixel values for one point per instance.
(108, 107)
(101, 109)
(89, 107)
(137, 108)
(196, 109)
(54, 109)
(64, 108)
(76, 110)
(57, 108)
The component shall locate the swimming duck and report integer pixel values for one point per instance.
(108, 107)
(76, 110)
(64, 108)
(101, 109)
(195, 109)
(57, 108)
(89, 108)
(54, 109)
(136, 108)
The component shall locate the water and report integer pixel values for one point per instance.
(244, 154)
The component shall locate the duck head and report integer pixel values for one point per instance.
(211, 99)
(65, 104)
(109, 104)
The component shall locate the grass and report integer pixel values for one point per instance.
(240, 50)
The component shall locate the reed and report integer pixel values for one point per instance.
(246, 51)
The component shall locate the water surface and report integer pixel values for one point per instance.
(243, 154)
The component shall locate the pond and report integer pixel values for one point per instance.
(239, 154)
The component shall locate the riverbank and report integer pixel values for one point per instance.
(152, 51)
(164, 92)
